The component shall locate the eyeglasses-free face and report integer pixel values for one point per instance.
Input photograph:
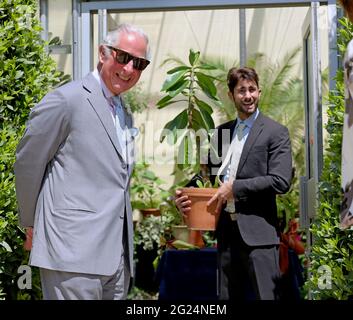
(124, 57)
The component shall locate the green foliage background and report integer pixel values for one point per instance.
(331, 267)
(26, 75)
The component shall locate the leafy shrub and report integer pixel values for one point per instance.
(154, 231)
(146, 188)
(331, 265)
(10, 237)
(26, 75)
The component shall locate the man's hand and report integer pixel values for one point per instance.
(224, 193)
(183, 203)
(28, 243)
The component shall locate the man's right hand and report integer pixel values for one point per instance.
(182, 202)
(28, 243)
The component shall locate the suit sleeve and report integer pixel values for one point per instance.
(46, 129)
(279, 170)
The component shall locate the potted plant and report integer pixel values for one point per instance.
(191, 85)
(201, 216)
(146, 190)
(152, 236)
(149, 244)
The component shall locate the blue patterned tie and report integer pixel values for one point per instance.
(120, 124)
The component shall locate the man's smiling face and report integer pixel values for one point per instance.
(120, 77)
(246, 97)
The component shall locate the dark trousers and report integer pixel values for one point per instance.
(244, 272)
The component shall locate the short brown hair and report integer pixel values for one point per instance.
(348, 7)
(236, 74)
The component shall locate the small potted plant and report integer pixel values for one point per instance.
(201, 216)
(146, 190)
(149, 241)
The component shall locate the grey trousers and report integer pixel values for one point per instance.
(60, 285)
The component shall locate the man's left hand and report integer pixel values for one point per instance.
(224, 193)
(29, 235)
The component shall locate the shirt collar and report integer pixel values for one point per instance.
(250, 121)
(106, 92)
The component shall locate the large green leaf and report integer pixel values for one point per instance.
(207, 119)
(206, 85)
(193, 57)
(203, 105)
(163, 102)
(179, 122)
(179, 88)
(177, 69)
(173, 79)
(198, 121)
(207, 66)
(167, 103)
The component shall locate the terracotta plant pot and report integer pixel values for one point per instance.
(183, 233)
(180, 232)
(200, 216)
(195, 238)
(153, 211)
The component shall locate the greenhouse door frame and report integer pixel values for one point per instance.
(83, 62)
(83, 59)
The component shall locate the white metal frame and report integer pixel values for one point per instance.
(313, 122)
(91, 7)
(82, 11)
(82, 46)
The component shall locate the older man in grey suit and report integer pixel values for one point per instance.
(73, 170)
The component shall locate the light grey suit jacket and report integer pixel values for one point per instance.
(72, 182)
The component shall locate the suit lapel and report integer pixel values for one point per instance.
(224, 144)
(100, 106)
(224, 139)
(253, 134)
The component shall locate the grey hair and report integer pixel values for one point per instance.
(112, 37)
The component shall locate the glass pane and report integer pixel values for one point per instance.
(60, 25)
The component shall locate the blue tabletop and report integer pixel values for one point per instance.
(188, 275)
